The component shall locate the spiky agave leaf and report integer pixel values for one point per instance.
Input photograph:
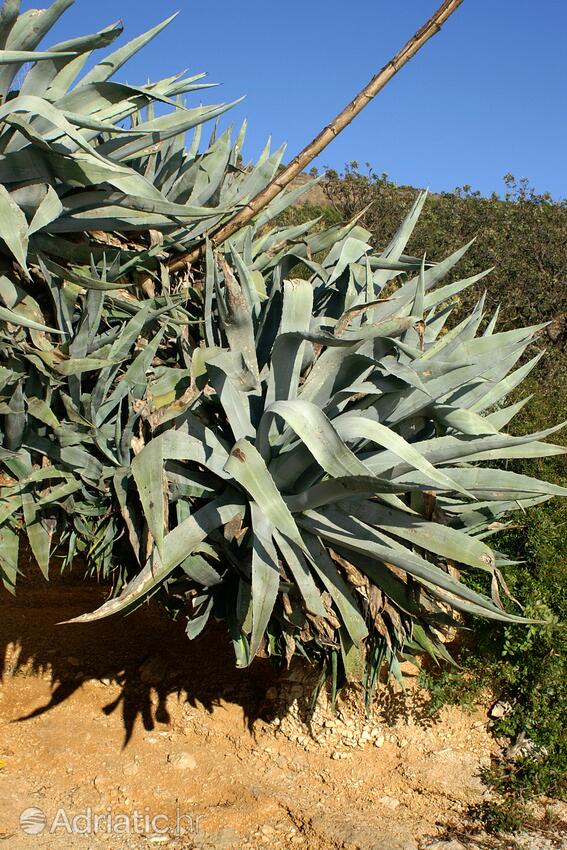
(326, 469)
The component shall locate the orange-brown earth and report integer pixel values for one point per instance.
(127, 720)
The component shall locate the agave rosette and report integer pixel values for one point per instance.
(305, 458)
(324, 474)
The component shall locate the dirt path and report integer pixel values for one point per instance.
(163, 742)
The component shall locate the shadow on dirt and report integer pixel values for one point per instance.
(149, 657)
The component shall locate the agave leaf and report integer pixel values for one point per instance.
(265, 576)
(354, 535)
(317, 433)
(78, 365)
(178, 544)
(246, 466)
(37, 533)
(234, 400)
(161, 129)
(112, 63)
(81, 279)
(8, 57)
(8, 17)
(460, 419)
(352, 428)
(14, 318)
(319, 383)
(147, 470)
(237, 323)
(247, 283)
(493, 483)
(57, 76)
(24, 32)
(288, 350)
(9, 550)
(195, 625)
(199, 570)
(429, 536)
(133, 381)
(294, 558)
(42, 411)
(334, 490)
(530, 450)
(448, 449)
(501, 418)
(505, 385)
(13, 227)
(49, 209)
(338, 589)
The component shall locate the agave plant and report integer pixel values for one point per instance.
(95, 194)
(301, 456)
(326, 469)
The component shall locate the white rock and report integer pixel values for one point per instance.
(182, 761)
(390, 802)
(131, 768)
(500, 709)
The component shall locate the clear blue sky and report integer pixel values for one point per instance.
(485, 96)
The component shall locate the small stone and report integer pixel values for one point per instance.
(403, 743)
(182, 761)
(379, 742)
(267, 829)
(390, 802)
(500, 709)
(131, 768)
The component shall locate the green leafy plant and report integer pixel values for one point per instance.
(300, 457)
(97, 193)
(325, 473)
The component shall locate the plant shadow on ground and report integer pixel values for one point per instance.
(150, 658)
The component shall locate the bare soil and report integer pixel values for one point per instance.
(126, 719)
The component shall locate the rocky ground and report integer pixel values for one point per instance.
(122, 735)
